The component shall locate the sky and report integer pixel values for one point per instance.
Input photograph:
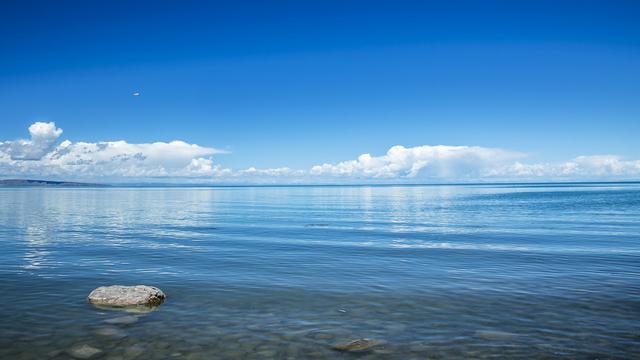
(320, 91)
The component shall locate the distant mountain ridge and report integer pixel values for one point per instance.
(31, 182)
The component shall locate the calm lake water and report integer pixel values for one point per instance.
(441, 272)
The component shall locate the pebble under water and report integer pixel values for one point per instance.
(540, 271)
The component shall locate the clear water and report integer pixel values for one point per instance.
(442, 272)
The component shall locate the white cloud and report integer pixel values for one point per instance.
(41, 156)
(473, 163)
(200, 166)
(429, 163)
(43, 139)
(281, 171)
(425, 161)
(603, 165)
(582, 167)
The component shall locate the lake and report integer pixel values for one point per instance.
(442, 272)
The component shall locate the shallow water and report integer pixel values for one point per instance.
(442, 272)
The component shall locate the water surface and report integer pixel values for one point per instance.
(442, 272)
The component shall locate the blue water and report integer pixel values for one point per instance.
(442, 272)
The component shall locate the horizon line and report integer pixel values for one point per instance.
(62, 183)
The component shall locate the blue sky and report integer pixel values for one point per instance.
(299, 84)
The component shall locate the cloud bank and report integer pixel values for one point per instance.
(40, 156)
(473, 163)
(43, 156)
(422, 161)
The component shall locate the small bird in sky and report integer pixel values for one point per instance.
(136, 94)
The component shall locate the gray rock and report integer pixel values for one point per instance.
(359, 345)
(83, 351)
(110, 331)
(123, 296)
(123, 320)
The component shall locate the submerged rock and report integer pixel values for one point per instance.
(134, 351)
(359, 345)
(110, 331)
(83, 351)
(123, 296)
(122, 320)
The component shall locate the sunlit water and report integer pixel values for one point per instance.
(443, 272)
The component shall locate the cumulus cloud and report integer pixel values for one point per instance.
(461, 163)
(43, 139)
(429, 161)
(42, 157)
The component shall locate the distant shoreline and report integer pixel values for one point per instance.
(46, 183)
(53, 183)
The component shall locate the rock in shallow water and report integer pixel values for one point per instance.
(122, 320)
(133, 351)
(359, 345)
(83, 351)
(123, 296)
(110, 331)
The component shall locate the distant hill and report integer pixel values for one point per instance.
(29, 182)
